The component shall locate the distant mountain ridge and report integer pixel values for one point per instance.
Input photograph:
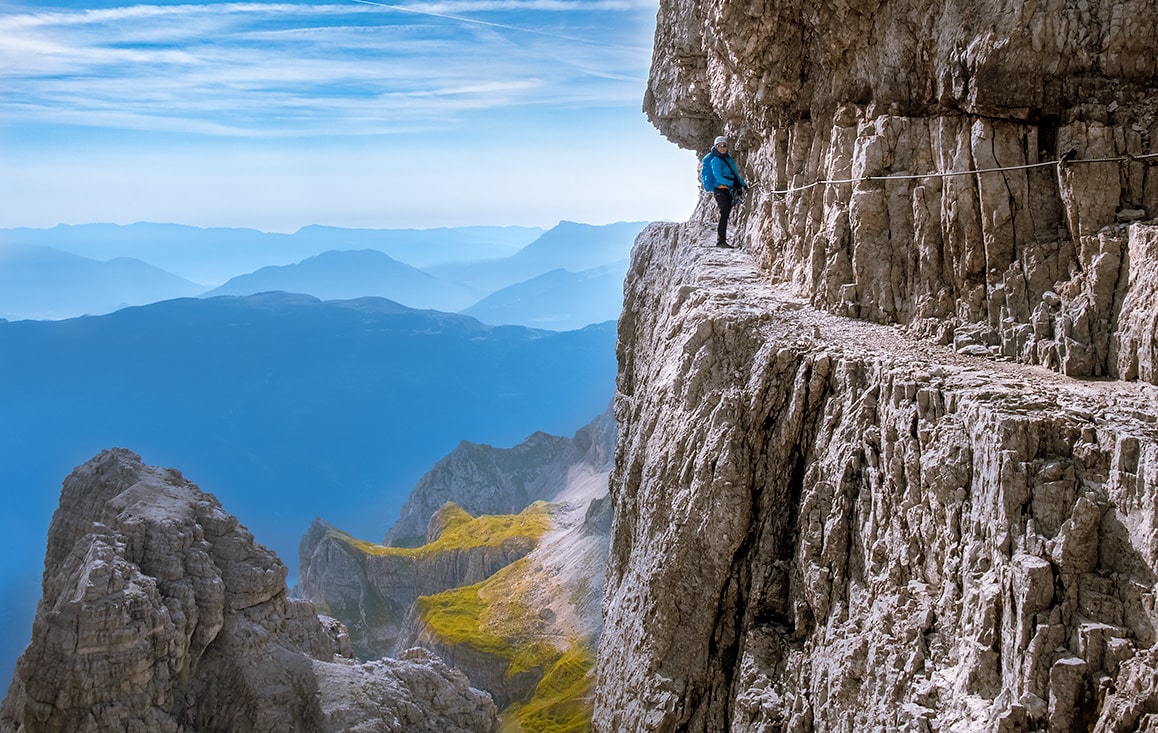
(569, 246)
(564, 279)
(341, 275)
(569, 277)
(213, 255)
(559, 300)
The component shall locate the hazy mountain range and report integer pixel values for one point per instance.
(59, 273)
(210, 256)
(340, 275)
(558, 300)
(568, 246)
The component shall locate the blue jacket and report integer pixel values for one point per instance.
(720, 170)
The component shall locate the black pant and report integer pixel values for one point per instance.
(724, 201)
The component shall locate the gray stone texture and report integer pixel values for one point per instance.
(826, 524)
(160, 613)
(860, 483)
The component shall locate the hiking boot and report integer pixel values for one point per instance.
(723, 244)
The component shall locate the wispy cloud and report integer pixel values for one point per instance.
(445, 15)
(282, 114)
(281, 69)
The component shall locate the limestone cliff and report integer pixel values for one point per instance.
(965, 168)
(847, 494)
(823, 524)
(160, 613)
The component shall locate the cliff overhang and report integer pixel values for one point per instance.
(967, 170)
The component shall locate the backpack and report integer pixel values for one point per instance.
(706, 178)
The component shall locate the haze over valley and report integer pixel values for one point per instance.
(69, 271)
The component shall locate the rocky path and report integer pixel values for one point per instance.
(732, 281)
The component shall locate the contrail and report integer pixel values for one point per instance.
(515, 28)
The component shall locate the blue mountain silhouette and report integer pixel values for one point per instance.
(568, 246)
(559, 299)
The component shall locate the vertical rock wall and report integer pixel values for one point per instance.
(848, 497)
(822, 524)
(1057, 100)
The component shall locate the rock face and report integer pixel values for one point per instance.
(847, 494)
(160, 613)
(824, 524)
(985, 162)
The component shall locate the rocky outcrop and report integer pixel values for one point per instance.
(483, 479)
(512, 600)
(967, 169)
(824, 524)
(160, 613)
(372, 588)
(847, 496)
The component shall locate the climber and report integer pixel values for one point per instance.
(721, 178)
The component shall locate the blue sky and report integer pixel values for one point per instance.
(349, 113)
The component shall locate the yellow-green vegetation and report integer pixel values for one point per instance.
(448, 516)
(462, 532)
(494, 617)
(562, 701)
(462, 616)
(504, 618)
